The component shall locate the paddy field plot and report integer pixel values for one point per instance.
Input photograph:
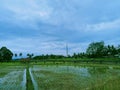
(59, 77)
(12, 78)
(75, 77)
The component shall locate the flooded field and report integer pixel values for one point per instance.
(75, 77)
(61, 77)
(12, 78)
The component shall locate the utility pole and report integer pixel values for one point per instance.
(67, 50)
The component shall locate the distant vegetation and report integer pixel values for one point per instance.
(95, 50)
(98, 49)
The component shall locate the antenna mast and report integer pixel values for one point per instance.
(66, 49)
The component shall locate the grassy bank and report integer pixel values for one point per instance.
(29, 84)
(80, 60)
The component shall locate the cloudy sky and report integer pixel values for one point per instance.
(46, 26)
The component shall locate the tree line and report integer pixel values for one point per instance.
(20, 55)
(94, 50)
(99, 49)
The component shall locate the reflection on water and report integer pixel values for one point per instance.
(76, 77)
(84, 71)
(98, 70)
(63, 69)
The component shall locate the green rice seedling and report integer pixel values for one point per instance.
(73, 77)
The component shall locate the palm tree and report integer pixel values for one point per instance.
(32, 54)
(15, 54)
(20, 54)
(28, 55)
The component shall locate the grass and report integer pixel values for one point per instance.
(29, 81)
(85, 58)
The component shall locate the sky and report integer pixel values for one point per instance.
(46, 26)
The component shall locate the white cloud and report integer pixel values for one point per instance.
(102, 26)
(40, 46)
(114, 41)
(75, 21)
(27, 11)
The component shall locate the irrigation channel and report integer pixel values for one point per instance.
(31, 83)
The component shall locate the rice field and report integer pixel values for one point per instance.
(75, 77)
(60, 77)
(12, 78)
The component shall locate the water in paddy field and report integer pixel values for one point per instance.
(61, 77)
(53, 77)
(13, 79)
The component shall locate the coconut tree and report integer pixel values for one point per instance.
(20, 54)
(15, 55)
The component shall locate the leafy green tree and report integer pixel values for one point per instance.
(105, 51)
(30, 55)
(75, 55)
(118, 49)
(1, 58)
(111, 50)
(95, 49)
(5, 54)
